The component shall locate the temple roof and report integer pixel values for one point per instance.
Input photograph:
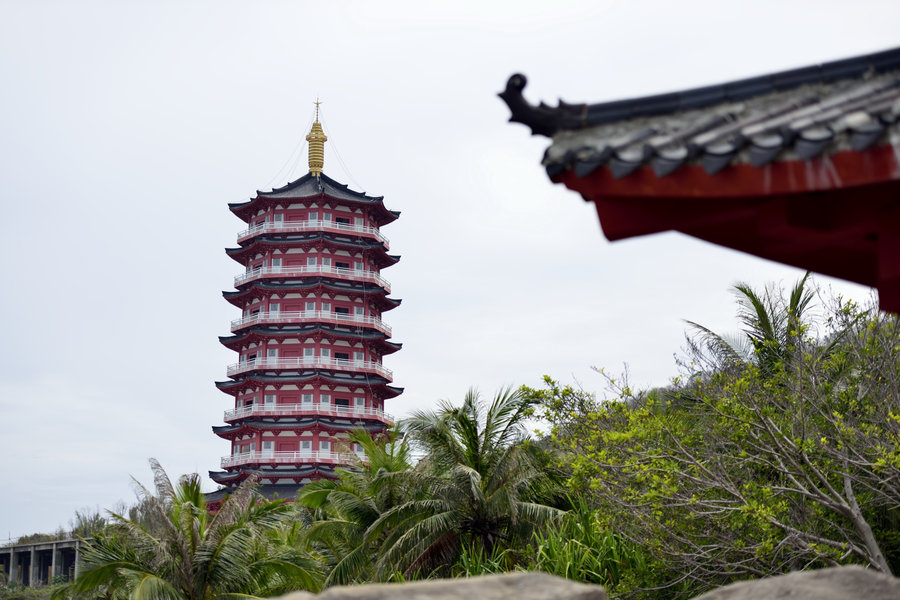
(803, 113)
(799, 166)
(310, 186)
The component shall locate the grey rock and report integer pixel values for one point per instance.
(509, 586)
(838, 583)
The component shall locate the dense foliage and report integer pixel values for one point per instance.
(776, 449)
(187, 554)
(479, 490)
(751, 464)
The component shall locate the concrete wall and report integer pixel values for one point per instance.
(36, 564)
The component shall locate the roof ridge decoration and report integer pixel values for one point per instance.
(546, 120)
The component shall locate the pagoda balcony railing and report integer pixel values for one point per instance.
(327, 270)
(319, 225)
(318, 316)
(306, 408)
(297, 457)
(316, 362)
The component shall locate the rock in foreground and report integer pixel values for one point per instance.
(509, 586)
(838, 583)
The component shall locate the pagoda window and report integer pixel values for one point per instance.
(342, 265)
(274, 307)
(326, 306)
(342, 402)
(359, 356)
(313, 216)
(359, 403)
(359, 221)
(269, 401)
(306, 398)
(357, 266)
(342, 310)
(276, 262)
(306, 447)
(326, 261)
(342, 356)
(326, 216)
(268, 448)
(325, 447)
(311, 261)
(279, 218)
(326, 352)
(272, 353)
(343, 220)
(254, 312)
(310, 307)
(359, 311)
(309, 352)
(251, 357)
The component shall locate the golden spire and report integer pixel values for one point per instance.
(316, 139)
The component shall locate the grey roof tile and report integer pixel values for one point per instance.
(802, 113)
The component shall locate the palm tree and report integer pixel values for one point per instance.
(181, 552)
(347, 507)
(772, 328)
(479, 486)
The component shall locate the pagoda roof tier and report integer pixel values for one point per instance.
(355, 289)
(233, 478)
(231, 431)
(306, 364)
(321, 188)
(307, 409)
(293, 319)
(268, 490)
(318, 241)
(799, 167)
(375, 339)
(380, 387)
(295, 275)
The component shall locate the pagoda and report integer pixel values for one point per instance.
(310, 339)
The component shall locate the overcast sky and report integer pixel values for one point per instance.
(126, 128)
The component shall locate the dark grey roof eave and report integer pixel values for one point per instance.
(546, 120)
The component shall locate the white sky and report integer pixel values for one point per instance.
(126, 128)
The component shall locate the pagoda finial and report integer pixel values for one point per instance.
(316, 139)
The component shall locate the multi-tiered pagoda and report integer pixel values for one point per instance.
(310, 339)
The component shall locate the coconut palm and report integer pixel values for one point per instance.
(478, 486)
(188, 554)
(772, 328)
(349, 505)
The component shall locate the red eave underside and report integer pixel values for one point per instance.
(837, 215)
(840, 170)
